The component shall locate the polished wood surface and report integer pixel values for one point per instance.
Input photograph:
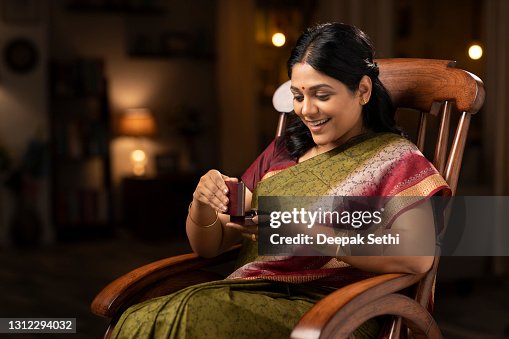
(418, 83)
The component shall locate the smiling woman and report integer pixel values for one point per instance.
(334, 78)
(327, 107)
(342, 142)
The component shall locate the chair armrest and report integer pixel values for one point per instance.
(155, 279)
(323, 318)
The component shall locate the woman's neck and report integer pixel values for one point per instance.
(320, 149)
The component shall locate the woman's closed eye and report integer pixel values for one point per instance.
(298, 98)
(323, 97)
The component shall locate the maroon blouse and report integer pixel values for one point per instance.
(274, 157)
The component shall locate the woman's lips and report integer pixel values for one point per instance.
(317, 125)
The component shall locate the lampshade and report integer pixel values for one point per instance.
(137, 122)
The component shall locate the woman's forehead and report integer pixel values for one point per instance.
(304, 76)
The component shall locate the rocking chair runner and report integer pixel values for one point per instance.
(427, 86)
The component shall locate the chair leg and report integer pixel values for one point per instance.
(108, 332)
(396, 328)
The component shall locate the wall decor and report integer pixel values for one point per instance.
(21, 55)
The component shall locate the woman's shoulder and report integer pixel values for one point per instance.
(394, 148)
(406, 165)
(274, 157)
(394, 142)
(389, 137)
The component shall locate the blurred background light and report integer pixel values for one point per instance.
(475, 52)
(278, 39)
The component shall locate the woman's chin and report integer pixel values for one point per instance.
(321, 138)
(320, 141)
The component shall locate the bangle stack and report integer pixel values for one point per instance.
(194, 222)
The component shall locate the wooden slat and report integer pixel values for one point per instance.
(281, 124)
(425, 287)
(421, 134)
(456, 154)
(443, 137)
(396, 328)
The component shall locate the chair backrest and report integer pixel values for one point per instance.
(433, 87)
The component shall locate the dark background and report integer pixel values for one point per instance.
(72, 216)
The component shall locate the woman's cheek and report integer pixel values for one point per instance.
(297, 108)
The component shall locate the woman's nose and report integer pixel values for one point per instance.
(308, 107)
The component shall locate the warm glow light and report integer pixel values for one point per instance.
(278, 39)
(138, 160)
(475, 52)
(138, 155)
(137, 122)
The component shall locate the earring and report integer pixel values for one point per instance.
(364, 102)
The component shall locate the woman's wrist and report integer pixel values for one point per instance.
(198, 218)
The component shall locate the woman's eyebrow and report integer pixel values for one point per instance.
(312, 88)
(315, 87)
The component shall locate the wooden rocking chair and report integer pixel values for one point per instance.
(430, 87)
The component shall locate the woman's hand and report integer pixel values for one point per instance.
(212, 190)
(205, 229)
(250, 231)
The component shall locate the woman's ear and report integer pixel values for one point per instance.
(365, 86)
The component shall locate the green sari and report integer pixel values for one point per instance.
(266, 296)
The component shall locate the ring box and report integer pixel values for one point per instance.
(236, 196)
(236, 204)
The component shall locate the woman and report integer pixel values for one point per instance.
(342, 141)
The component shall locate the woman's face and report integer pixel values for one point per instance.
(327, 107)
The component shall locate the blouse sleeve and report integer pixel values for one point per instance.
(275, 156)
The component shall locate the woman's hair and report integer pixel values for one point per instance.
(344, 53)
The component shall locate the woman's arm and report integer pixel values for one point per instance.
(415, 226)
(205, 224)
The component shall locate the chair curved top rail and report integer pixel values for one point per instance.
(417, 83)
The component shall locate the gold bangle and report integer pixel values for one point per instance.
(194, 222)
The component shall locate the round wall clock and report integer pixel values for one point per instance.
(21, 55)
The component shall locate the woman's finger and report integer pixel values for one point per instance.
(209, 197)
(212, 191)
(213, 182)
(218, 179)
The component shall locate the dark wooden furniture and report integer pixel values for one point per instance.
(431, 87)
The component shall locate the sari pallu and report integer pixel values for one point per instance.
(384, 165)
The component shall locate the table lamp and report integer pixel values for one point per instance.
(139, 123)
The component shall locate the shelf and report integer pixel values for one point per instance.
(80, 138)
